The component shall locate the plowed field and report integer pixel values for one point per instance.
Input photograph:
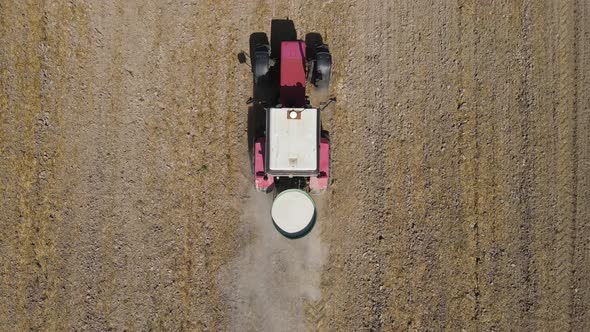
(461, 169)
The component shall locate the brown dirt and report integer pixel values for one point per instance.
(461, 167)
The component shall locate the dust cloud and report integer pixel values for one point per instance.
(269, 282)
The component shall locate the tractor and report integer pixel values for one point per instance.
(291, 155)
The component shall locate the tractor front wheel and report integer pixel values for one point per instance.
(261, 63)
(322, 71)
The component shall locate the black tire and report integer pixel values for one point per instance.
(256, 40)
(261, 61)
(260, 66)
(325, 134)
(312, 41)
(253, 158)
(322, 69)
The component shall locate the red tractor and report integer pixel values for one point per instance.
(291, 155)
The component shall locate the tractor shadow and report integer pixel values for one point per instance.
(280, 31)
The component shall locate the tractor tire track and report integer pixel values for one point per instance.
(469, 144)
(567, 160)
(580, 311)
(544, 147)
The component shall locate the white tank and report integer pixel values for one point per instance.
(293, 212)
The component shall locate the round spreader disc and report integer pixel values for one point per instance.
(293, 212)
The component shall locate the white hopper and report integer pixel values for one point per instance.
(293, 212)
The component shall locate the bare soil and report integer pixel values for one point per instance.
(461, 169)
